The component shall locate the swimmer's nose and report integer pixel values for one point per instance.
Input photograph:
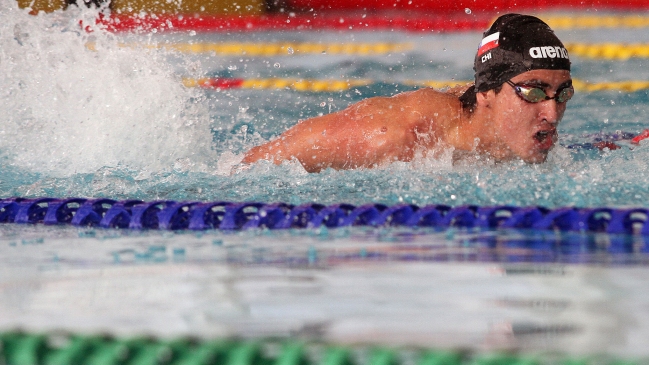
(550, 111)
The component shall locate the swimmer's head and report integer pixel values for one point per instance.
(513, 45)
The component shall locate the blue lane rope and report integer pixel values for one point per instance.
(594, 140)
(172, 215)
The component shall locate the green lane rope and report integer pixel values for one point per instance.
(19, 348)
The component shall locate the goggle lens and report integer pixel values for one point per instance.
(534, 94)
(564, 94)
(531, 94)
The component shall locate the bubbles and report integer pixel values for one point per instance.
(467, 10)
(277, 65)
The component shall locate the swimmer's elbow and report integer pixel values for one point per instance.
(261, 153)
(255, 154)
(252, 156)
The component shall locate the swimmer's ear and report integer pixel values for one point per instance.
(484, 98)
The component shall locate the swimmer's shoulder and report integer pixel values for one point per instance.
(419, 99)
(409, 108)
(428, 101)
(429, 95)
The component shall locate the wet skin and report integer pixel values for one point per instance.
(380, 130)
(522, 129)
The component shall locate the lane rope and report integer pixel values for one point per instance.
(20, 348)
(596, 21)
(629, 85)
(609, 51)
(278, 49)
(308, 85)
(417, 22)
(223, 215)
(323, 85)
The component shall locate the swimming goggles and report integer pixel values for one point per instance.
(534, 94)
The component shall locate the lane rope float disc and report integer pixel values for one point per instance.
(222, 215)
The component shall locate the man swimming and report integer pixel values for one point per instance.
(522, 85)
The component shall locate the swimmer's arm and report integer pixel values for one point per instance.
(301, 141)
(362, 135)
(370, 132)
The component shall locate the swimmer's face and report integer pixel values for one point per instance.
(529, 130)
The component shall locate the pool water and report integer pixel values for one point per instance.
(84, 116)
(117, 122)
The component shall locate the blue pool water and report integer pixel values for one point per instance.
(116, 122)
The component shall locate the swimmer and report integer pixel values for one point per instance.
(511, 111)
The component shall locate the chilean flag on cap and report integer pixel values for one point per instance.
(488, 42)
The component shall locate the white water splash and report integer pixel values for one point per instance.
(66, 109)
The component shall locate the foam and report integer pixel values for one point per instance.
(67, 109)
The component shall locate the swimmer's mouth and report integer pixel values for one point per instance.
(542, 136)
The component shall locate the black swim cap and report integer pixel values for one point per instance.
(515, 44)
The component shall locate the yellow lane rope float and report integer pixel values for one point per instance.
(276, 83)
(596, 21)
(611, 51)
(304, 85)
(275, 49)
(628, 86)
(314, 85)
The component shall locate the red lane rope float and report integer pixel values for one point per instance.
(215, 83)
(408, 22)
(461, 5)
(643, 135)
(401, 21)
